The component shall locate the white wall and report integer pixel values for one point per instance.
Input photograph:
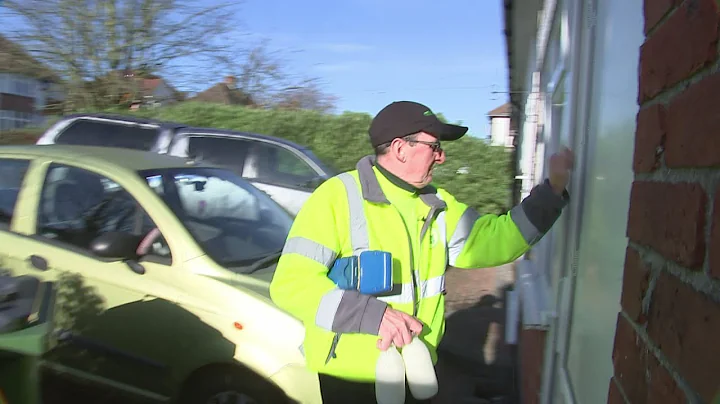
(499, 130)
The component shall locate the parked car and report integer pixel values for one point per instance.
(162, 267)
(286, 171)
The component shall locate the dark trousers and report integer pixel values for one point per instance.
(339, 391)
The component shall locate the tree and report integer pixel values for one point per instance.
(262, 75)
(99, 45)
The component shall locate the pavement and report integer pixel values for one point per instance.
(475, 365)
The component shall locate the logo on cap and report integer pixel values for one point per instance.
(428, 113)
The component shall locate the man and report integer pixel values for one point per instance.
(387, 204)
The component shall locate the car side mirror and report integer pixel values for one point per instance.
(118, 246)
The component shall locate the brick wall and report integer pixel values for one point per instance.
(666, 343)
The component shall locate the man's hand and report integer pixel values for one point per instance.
(397, 328)
(561, 164)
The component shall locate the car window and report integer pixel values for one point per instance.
(99, 133)
(232, 221)
(225, 152)
(12, 173)
(77, 206)
(280, 166)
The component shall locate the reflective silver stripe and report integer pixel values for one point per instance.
(461, 234)
(358, 225)
(329, 304)
(529, 232)
(310, 249)
(432, 287)
(428, 288)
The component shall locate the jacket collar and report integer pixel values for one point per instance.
(372, 192)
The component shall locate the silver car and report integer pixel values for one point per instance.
(286, 171)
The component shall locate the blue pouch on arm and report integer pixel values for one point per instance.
(370, 273)
(376, 274)
(345, 273)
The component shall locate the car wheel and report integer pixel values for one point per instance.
(230, 386)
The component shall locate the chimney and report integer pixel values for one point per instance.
(230, 81)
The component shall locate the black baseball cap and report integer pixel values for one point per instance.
(402, 118)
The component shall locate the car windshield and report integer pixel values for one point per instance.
(236, 224)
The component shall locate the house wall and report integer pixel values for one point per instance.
(666, 344)
(500, 130)
(21, 101)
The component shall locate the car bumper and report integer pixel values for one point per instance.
(300, 384)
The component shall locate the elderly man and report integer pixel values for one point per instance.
(387, 204)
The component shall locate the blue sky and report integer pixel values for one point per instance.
(449, 55)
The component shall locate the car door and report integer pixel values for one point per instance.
(281, 173)
(114, 324)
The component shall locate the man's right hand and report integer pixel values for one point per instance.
(397, 328)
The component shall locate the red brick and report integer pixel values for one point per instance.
(655, 10)
(715, 238)
(635, 284)
(649, 136)
(684, 324)
(532, 348)
(662, 388)
(693, 126)
(670, 218)
(629, 357)
(684, 44)
(614, 396)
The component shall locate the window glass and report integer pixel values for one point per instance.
(97, 133)
(77, 206)
(221, 151)
(12, 173)
(232, 221)
(279, 166)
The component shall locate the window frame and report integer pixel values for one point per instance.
(261, 154)
(10, 225)
(36, 231)
(57, 138)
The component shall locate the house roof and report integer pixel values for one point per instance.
(503, 110)
(221, 93)
(15, 59)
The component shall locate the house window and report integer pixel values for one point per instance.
(15, 120)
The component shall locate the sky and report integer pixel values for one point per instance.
(449, 55)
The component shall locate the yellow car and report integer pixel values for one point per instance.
(162, 268)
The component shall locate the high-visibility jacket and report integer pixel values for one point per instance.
(353, 212)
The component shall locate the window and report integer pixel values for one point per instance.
(280, 166)
(15, 120)
(233, 222)
(77, 206)
(12, 173)
(221, 151)
(109, 134)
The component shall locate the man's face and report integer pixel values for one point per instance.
(421, 156)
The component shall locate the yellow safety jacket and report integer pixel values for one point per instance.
(353, 212)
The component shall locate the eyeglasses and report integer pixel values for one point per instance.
(435, 146)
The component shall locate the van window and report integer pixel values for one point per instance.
(97, 133)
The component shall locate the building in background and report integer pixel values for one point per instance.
(28, 90)
(501, 131)
(619, 302)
